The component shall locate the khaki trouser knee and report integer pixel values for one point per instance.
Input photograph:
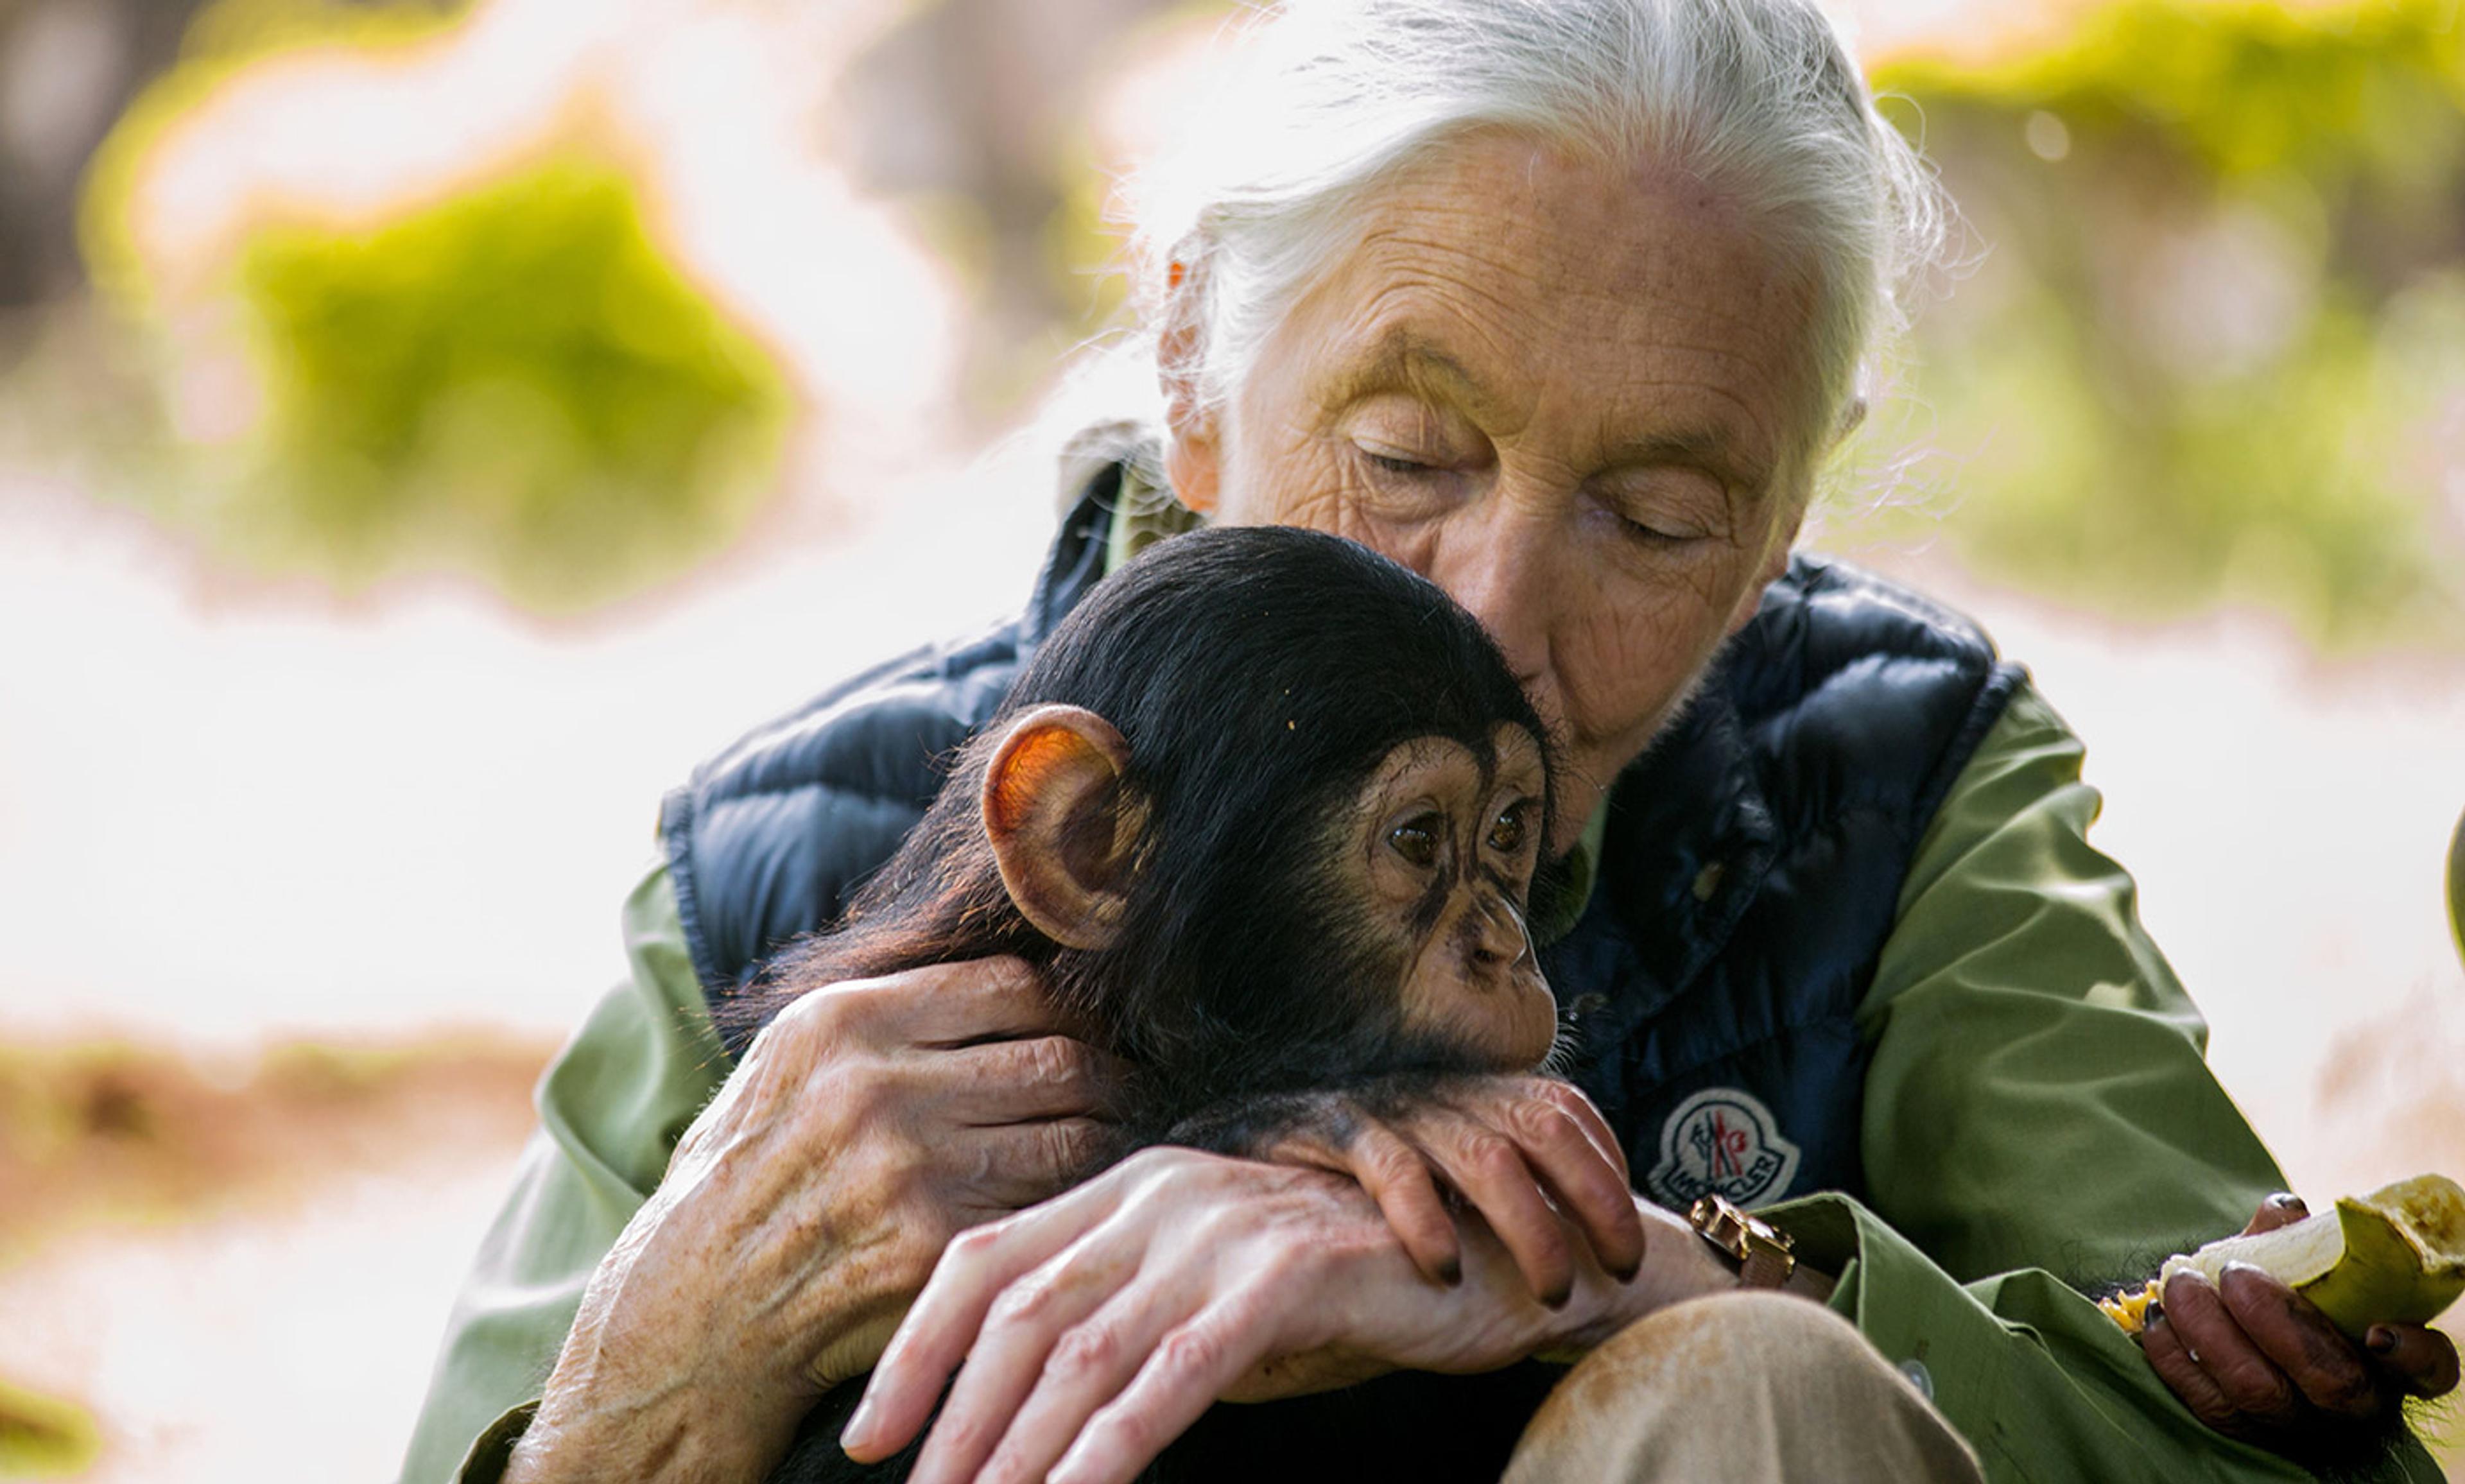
(1738, 1387)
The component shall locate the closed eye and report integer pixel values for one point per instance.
(1652, 535)
(1389, 463)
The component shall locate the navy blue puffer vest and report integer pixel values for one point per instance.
(1748, 877)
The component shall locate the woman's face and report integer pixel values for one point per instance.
(1565, 393)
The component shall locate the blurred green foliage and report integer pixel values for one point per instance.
(514, 379)
(2213, 347)
(42, 1437)
(225, 40)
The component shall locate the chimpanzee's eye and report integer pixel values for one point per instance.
(1506, 831)
(1416, 840)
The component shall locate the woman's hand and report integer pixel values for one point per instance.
(1096, 1328)
(2255, 1360)
(804, 1210)
(1520, 1150)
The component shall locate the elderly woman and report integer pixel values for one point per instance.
(1563, 305)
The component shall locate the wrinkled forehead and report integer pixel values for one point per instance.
(1620, 307)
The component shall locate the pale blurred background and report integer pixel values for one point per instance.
(428, 429)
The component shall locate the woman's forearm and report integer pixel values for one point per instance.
(647, 1415)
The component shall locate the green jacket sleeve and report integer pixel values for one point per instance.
(2039, 1114)
(2039, 1382)
(2038, 1096)
(611, 1107)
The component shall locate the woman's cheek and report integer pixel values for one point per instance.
(1342, 503)
(1414, 545)
(1620, 673)
(1304, 485)
(1308, 503)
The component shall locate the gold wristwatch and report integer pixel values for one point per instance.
(1761, 1251)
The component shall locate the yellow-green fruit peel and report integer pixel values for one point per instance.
(2396, 1255)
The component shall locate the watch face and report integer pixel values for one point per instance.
(1761, 1251)
(1721, 1224)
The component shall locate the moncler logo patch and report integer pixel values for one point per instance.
(1725, 1141)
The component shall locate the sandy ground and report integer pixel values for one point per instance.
(286, 821)
(240, 1265)
(290, 1345)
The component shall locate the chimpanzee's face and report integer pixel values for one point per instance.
(1442, 847)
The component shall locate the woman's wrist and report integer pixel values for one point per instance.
(591, 1426)
(632, 1392)
(1678, 1265)
(1807, 1283)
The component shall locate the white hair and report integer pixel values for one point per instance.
(1758, 99)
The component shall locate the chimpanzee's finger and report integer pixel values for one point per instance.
(976, 1269)
(1050, 1077)
(2252, 1382)
(2324, 1366)
(1189, 1368)
(2416, 1357)
(1398, 1179)
(1059, 1344)
(1491, 1173)
(1571, 1097)
(1587, 1188)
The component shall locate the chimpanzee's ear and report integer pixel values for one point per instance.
(1062, 823)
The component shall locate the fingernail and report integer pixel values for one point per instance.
(858, 1430)
(2288, 1201)
(1558, 1300)
(2382, 1339)
(1625, 1275)
(2152, 1315)
(2243, 1275)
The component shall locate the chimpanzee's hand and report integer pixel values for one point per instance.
(2255, 1360)
(1094, 1328)
(1521, 1150)
(804, 1210)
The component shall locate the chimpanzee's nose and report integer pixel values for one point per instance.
(1499, 939)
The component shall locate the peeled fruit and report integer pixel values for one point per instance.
(2394, 1257)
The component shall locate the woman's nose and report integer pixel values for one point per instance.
(1499, 569)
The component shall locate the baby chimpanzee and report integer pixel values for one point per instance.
(1263, 812)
